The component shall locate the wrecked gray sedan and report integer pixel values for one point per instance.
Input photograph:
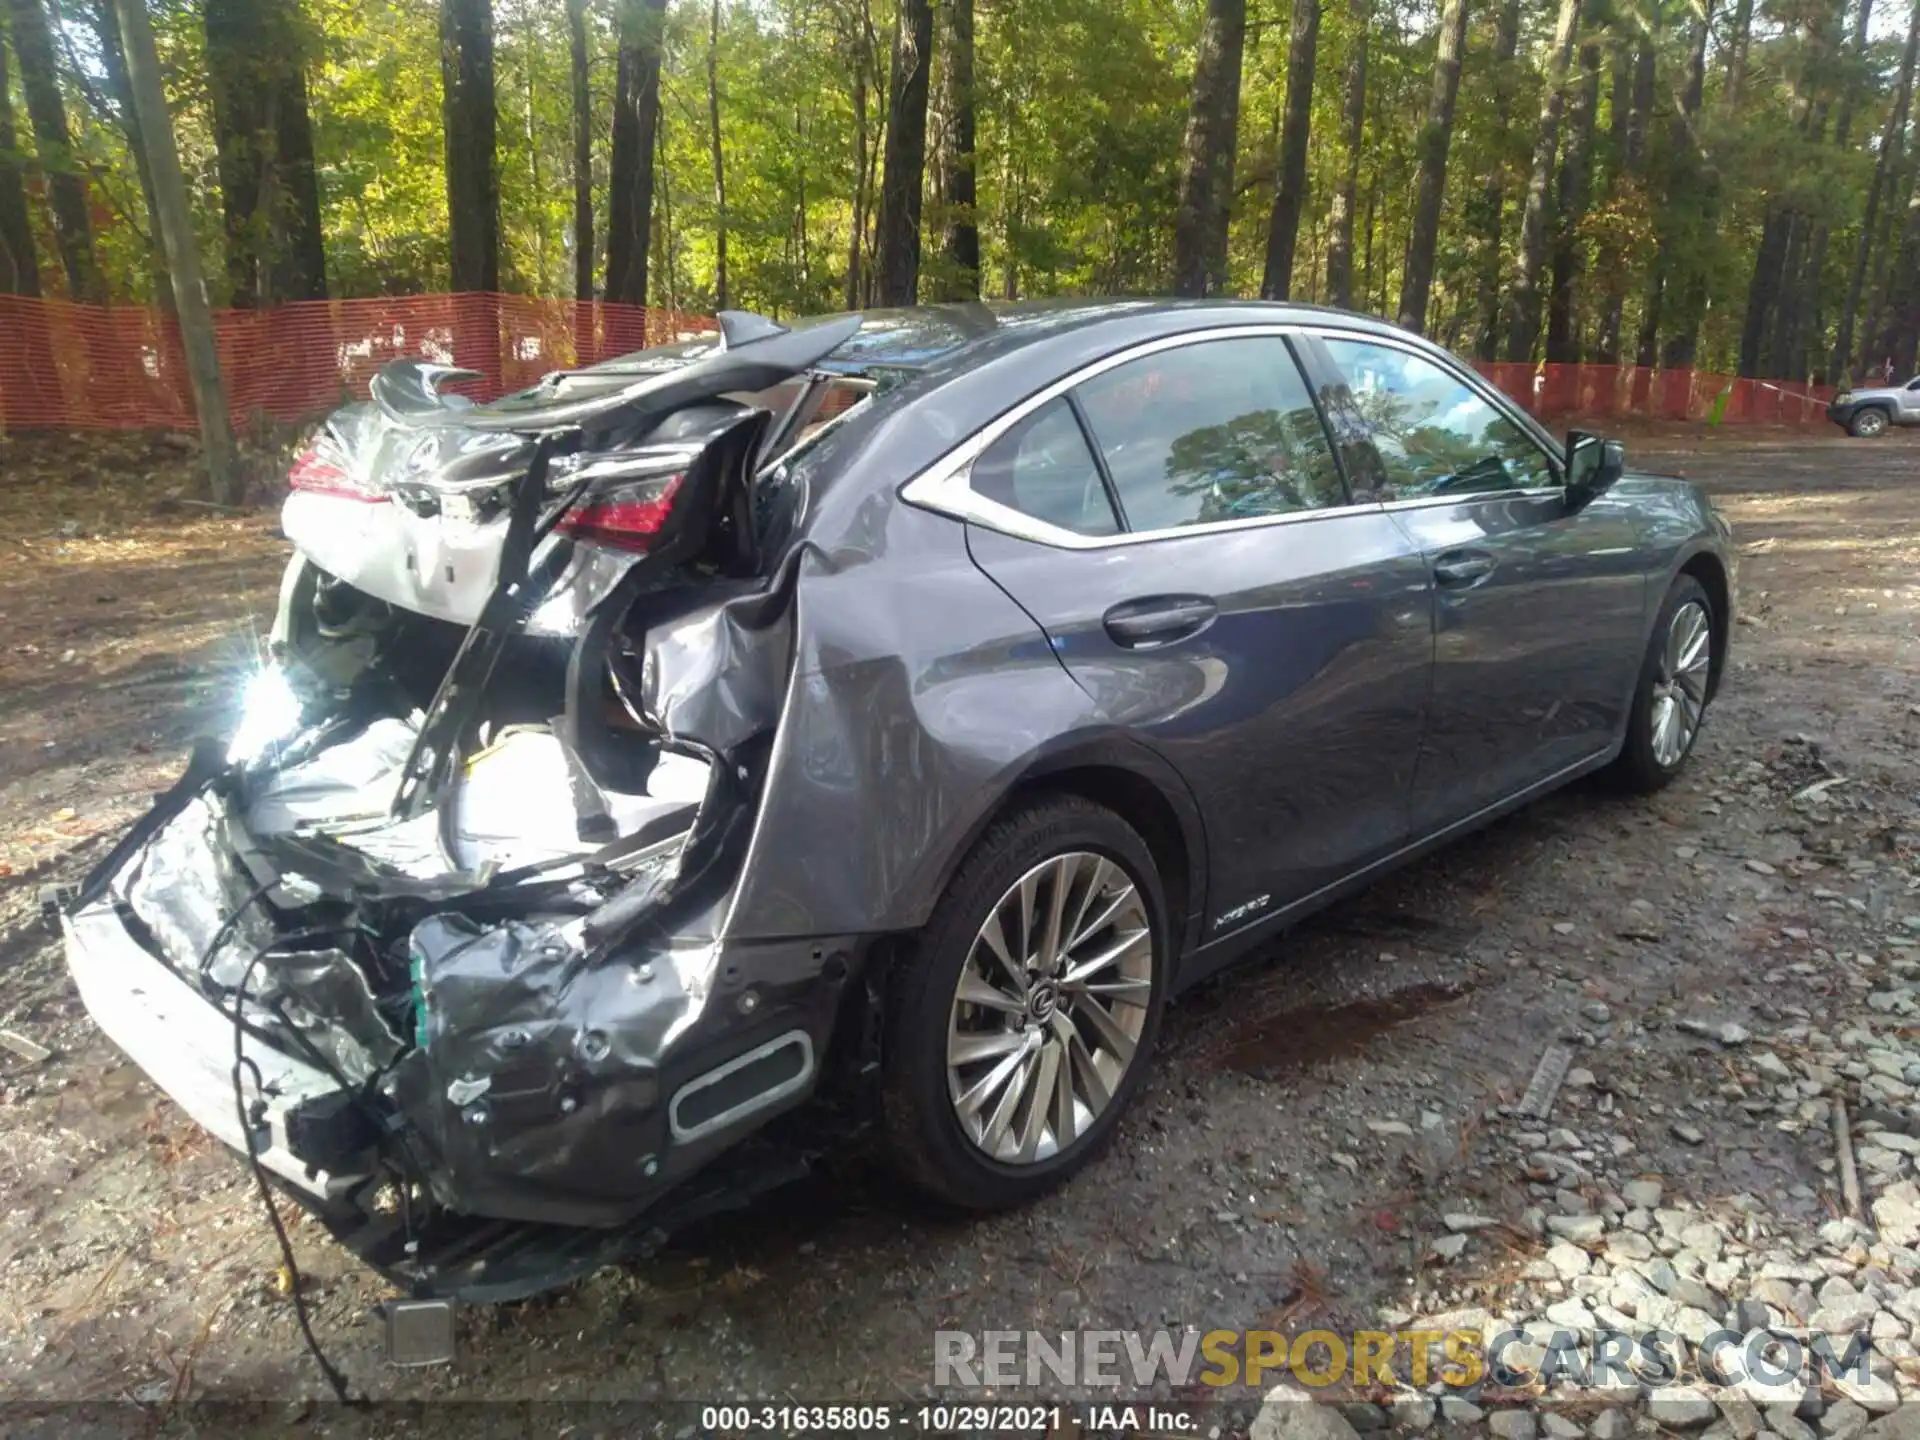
(878, 718)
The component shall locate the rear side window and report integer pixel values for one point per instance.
(1043, 468)
(1221, 430)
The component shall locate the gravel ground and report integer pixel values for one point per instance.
(1725, 960)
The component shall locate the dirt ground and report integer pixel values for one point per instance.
(1246, 1188)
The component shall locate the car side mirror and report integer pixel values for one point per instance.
(1593, 464)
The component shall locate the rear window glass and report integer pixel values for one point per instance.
(1043, 468)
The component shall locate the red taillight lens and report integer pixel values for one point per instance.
(626, 518)
(319, 471)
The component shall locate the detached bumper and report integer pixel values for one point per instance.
(185, 1045)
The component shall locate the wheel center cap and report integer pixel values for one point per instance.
(1042, 1000)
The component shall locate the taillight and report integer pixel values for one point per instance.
(626, 517)
(318, 470)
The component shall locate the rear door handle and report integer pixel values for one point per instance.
(1159, 620)
(1460, 568)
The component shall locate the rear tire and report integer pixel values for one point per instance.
(1670, 702)
(1868, 424)
(1020, 1023)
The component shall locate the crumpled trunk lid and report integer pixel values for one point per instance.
(407, 496)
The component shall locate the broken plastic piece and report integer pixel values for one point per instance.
(420, 1332)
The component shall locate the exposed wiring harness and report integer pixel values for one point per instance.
(336, 1380)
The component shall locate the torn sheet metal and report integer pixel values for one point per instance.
(186, 884)
(535, 1071)
(719, 674)
(751, 354)
(185, 888)
(326, 1000)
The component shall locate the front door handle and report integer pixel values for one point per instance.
(1159, 620)
(1460, 568)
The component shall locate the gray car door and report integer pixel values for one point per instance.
(1538, 605)
(1179, 526)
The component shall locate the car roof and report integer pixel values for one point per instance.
(918, 337)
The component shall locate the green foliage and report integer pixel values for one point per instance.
(1082, 106)
(377, 140)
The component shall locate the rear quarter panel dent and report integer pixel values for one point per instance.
(918, 689)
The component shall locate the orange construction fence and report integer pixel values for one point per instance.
(113, 367)
(119, 367)
(1618, 392)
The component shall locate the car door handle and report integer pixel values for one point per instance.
(1161, 620)
(1460, 568)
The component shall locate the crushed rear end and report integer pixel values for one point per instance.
(439, 935)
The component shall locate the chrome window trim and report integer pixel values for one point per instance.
(1469, 497)
(946, 486)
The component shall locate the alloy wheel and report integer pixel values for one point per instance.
(1870, 423)
(1049, 1008)
(1680, 694)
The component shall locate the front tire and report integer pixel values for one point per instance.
(1868, 424)
(1020, 1024)
(1670, 703)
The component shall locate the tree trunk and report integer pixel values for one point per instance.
(1890, 143)
(630, 167)
(113, 60)
(1739, 34)
(1563, 340)
(1646, 345)
(1687, 285)
(1523, 307)
(1606, 342)
(1206, 169)
(1780, 362)
(906, 160)
(66, 186)
(860, 67)
(1809, 356)
(660, 233)
(1769, 333)
(1013, 211)
(1290, 197)
(582, 151)
(263, 138)
(1436, 140)
(19, 262)
(300, 269)
(1630, 127)
(467, 108)
(1901, 338)
(1340, 213)
(1843, 120)
(1885, 248)
(183, 260)
(719, 160)
(956, 158)
(1366, 251)
(1763, 289)
(1487, 214)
